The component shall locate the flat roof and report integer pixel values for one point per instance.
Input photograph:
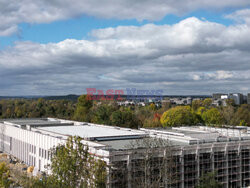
(136, 143)
(120, 138)
(94, 131)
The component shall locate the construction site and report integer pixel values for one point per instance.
(171, 157)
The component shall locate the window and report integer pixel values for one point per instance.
(48, 155)
(10, 143)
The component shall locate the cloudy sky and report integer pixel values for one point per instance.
(59, 47)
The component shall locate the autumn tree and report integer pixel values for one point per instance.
(242, 114)
(212, 117)
(179, 116)
(227, 113)
(196, 104)
(207, 102)
(153, 121)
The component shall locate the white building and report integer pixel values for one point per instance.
(30, 140)
(196, 149)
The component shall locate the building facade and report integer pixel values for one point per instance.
(195, 151)
(237, 97)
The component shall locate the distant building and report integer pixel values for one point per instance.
(189, 100)
(181, 100)
(218, 95)
(237, 97)
(244, 99)
(224, 97)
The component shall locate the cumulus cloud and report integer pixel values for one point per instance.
(14, 12)
(190, 57)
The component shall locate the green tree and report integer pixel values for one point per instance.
(201, 110)
(228, 114)
(178, 116)
(73, 166)
(102, 114)
(212, 117)
(196, 104)
(207, 102)
(208, 181)
(125, 118)
(143, 113)
(243, 113)
(243, 123)
(153, 106)
(230, 102)
(4, 175)
(152, 170)
(83, 108)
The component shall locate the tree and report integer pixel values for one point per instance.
(73, 166)
(4, 175)
(143, 113)
(243, 123)
(212, 117)
(102, 114)
(154, 121)
(201, 110)
(208, 181)
(152, 170)
(230, 102)
(82, 109)
(153, 106)
(228, 114)
(207, 102)
(243, 113)
(179, 116)
(196, 104)
(124, 118)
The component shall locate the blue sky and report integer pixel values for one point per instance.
(79, 28)
(183, 47)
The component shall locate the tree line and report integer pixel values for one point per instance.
(110, 113)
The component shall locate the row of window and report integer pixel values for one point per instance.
(44, 154)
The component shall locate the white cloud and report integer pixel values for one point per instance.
(183, 58)
(196, 77)
(241, 16)
(221, 75)
(14, 12)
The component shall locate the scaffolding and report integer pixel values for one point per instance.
(229, 161)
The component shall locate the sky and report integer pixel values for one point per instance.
(183, 47)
